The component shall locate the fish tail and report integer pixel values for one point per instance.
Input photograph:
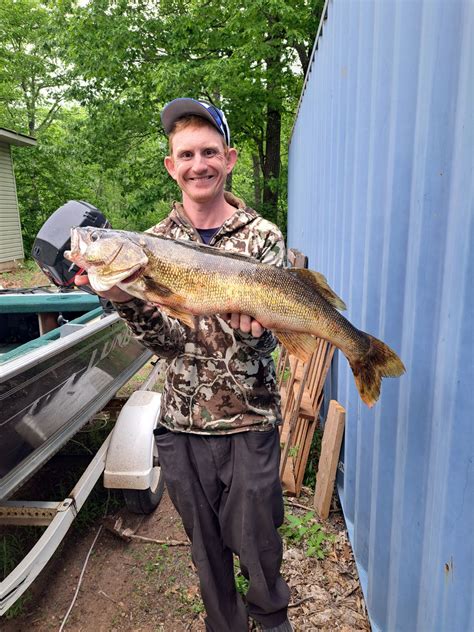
(380, 361)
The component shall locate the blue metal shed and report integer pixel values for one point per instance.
(381, 199)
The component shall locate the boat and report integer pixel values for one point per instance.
(64, 354)
(51, 385)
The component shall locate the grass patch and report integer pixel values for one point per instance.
(157, 564)
(191, 600)
(15, 543)
(139, 378)
(306, 531)
(241, 582)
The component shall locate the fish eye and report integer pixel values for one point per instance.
(94, 236)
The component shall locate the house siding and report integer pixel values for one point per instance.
(11, 244)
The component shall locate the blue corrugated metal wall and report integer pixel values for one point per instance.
(381, 200)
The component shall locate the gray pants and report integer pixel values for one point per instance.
(227, 491)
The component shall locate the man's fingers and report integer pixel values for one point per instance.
(246, 324)
(81, 279)
(235, 321)
(257, 329)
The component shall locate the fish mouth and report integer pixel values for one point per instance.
(134, 276)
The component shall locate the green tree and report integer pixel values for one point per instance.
(33, 87)
(33, 76)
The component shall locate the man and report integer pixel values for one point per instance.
(218, 440)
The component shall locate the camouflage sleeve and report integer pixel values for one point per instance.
(274, 249)
(264, 345)
(163, 335)
(274, 253)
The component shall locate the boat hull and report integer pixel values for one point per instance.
(49, 393)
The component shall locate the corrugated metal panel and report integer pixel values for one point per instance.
(381, 199)
(11, 244)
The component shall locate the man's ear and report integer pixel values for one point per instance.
(231, 158)
(170, 168)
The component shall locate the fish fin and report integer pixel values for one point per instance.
(184, 317)
(299, 345)
(380, 361)
(319, 282)
(154, 287)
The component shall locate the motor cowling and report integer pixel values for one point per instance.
(54, 238)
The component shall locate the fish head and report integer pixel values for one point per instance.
(109, 256)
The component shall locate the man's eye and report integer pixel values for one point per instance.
(186, 155)
(210, 152)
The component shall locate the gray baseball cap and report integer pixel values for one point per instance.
(182, 107)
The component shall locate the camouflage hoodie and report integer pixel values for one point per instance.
(218, 380)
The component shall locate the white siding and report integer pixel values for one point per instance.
(11, 244)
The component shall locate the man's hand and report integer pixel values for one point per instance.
(115, 294)
(246, 324)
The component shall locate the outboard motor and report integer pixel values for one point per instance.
(54, 238)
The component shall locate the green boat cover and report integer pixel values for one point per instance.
(54, 302)
(47, 338)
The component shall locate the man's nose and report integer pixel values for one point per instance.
(199, 162)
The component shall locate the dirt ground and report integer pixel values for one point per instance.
(141, 586)
(23, 275)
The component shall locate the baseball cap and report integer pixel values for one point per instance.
(184, 106)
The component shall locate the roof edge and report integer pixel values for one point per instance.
(15, 138)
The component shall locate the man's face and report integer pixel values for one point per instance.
(199, 163)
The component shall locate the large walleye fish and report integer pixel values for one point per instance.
(187, 279)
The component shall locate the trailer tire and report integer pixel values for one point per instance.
(145, 501)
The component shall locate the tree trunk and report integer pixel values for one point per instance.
(271, 167)
(257, 189)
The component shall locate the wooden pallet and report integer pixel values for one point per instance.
(301, 387)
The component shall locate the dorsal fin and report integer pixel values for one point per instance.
(319, 282)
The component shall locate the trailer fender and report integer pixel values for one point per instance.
(129, 463)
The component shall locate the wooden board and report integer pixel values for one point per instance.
(297, 259)
(295, 464)
(329, 458)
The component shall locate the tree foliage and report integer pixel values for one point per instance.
(34, 80)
